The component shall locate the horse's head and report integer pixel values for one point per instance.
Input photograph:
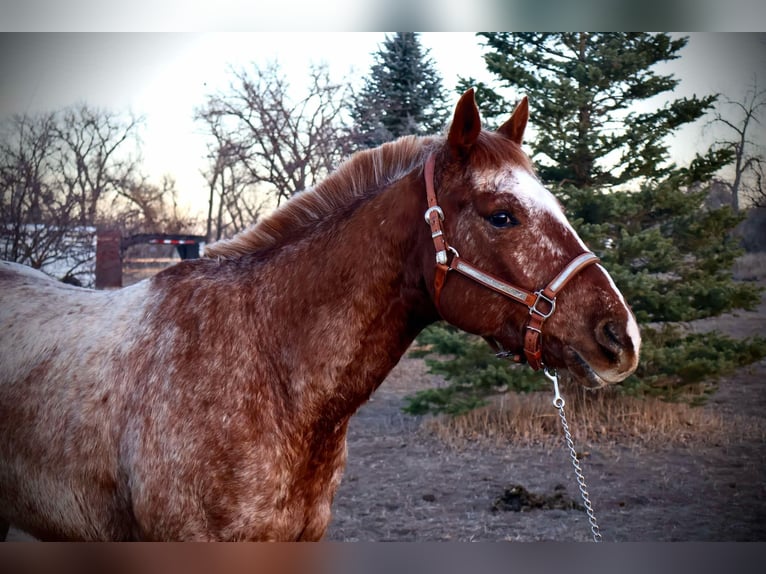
(506, 239)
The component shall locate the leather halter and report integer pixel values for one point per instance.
(541, 303)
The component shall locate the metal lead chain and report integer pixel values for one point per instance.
(558, 402)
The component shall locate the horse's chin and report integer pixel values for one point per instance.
(580, 371)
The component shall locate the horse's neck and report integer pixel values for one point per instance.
(353, 298)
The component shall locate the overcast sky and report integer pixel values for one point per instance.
(164, 76)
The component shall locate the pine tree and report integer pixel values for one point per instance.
(582, 92)
(402, 94)
(643, 215)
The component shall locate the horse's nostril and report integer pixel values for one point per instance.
(611, 332)
(611, 336)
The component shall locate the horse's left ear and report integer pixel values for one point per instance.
(466, 124)
(514, 128)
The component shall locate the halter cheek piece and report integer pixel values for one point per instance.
(541, 303)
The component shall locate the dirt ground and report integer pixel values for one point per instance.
(403, 484)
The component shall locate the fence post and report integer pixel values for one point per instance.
(108, 259)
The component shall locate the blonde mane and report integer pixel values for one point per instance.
(364, 171)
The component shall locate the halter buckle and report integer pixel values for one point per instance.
(535, 310)
(441, 256)
(430, 210)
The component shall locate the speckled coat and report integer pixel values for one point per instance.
(211, 401)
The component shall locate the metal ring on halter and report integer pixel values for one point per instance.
(551, 302)
(441, 256)
(435, 208)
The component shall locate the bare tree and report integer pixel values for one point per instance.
(756, 188)
(144, 207)
(265, 144)
(231, 203)
(63, 173)
(748, 162)
(93, 159)
(35, 214)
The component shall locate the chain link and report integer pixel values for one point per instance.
(558, 402)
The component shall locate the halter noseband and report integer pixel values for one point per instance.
(541, 304)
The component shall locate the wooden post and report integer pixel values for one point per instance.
(108, 259)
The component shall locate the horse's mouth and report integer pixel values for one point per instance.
(577, 368)
(581, 371)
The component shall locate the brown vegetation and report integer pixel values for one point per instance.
(604, 417)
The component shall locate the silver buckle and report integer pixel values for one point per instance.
(551, 302)
(435, 208)
(441, 256)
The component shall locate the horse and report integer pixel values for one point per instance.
(212, 400)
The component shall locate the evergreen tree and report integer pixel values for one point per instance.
(402, 94)
(644, 216)
(582, 92)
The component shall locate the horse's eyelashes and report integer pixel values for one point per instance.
(502, 219)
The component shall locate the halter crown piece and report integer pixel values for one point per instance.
(541, 303)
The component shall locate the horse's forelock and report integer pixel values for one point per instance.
(494, 151)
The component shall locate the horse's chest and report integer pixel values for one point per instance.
(294, 500)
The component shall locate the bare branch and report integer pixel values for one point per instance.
(277, 146)
(747, 159)
(65, 172)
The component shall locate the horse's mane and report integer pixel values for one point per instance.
(366, 170)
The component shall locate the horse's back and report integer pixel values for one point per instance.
(10, 271)
(26, 291)
(31, 309)
(41, 317)
(55, 338)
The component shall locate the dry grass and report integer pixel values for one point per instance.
(593, 417)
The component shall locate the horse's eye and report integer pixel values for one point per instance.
(502, 219)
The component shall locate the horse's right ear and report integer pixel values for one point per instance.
(466, 123)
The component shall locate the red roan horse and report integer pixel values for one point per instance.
(211, 402)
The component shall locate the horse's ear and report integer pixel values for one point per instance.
(514, 128)
(466, 124)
